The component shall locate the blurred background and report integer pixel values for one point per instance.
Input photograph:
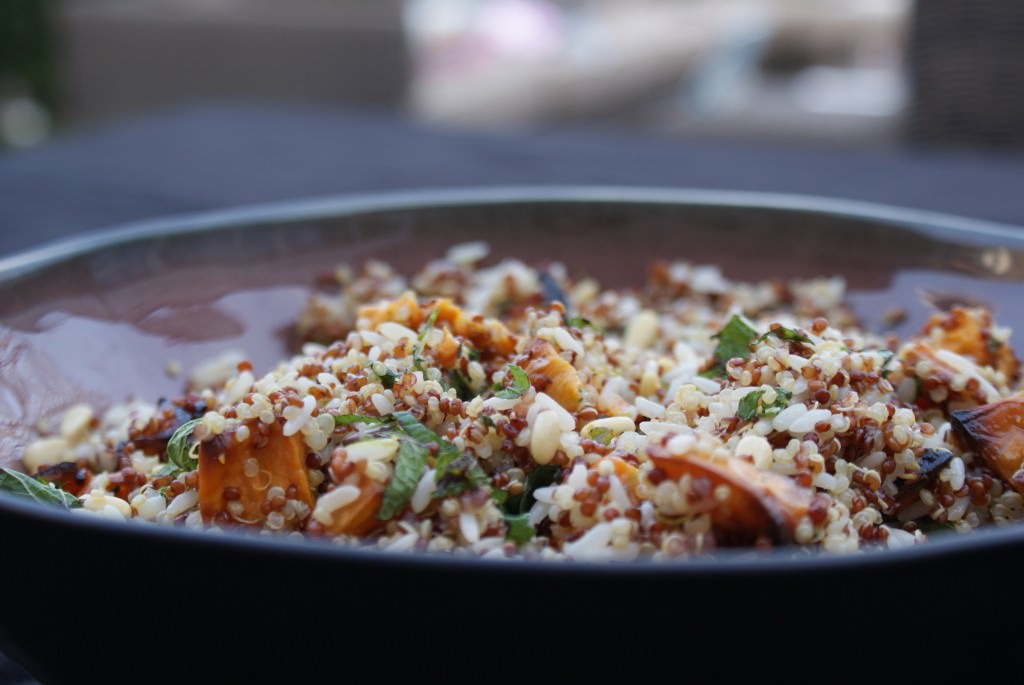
(830, 72)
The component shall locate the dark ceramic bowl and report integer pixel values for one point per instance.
(98, 318)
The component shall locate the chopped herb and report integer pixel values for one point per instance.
(180, 447)
(787, 334)
(417, 431)
(540, 477)
(468, 352)
(580, 322)
(487, 421)
(455, 472)
(457, 380)
(602, 435)
(421, 339)
(733, 341)
(23, 485)
(409, 466)
(887, 356)
(520, 384)
(518, 528)
(753, 404)
(993, 345)
(459, 475)
(516, 509)
(388, 378)
(346, 419)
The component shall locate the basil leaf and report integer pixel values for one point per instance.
(180, 447)
(752, 405)
(346, 419)
(733, 341)
(409, 466)
(518, 529)
(23, 485)
(520, 384)
(787, 334)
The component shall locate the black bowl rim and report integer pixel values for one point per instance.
(782, 560)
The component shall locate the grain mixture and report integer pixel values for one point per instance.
(512, 411)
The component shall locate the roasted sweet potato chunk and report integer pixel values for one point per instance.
(968, 332)
(359, 518)
(280, 461)
(489, 336)
(551, 374)
(996, 433)
(756, 505)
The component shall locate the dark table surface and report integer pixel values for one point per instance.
(218, 157)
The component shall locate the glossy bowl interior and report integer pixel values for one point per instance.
(98, 319)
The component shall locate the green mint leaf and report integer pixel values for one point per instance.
(180, 447)
(387, 377)
(455, 472)
(500, 497)
(602, 435)
(540, 477)
(23, 485)
(580, 322)
(460, 475)
(887, 356)
(457, 380)
(787, 334)
(409, 466)
(734, 340)
(518, 529)
(346, 419)
(421, 340)
(752, 405)
(520, 384)
(713, 372)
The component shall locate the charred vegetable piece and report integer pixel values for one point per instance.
(929, 464)
(757, 504)
(551, 374)
(169, 417)
(996, 432)
(224, 474)
(968, 332)
(69, 476)
(359, 518)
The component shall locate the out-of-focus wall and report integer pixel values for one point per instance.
(126, 57)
